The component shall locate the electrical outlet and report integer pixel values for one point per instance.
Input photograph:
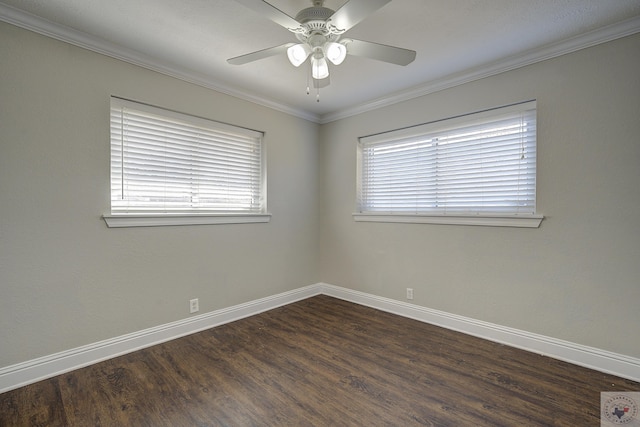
(193, 305)
(409, 293)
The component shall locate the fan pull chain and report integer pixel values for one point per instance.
(309, 84)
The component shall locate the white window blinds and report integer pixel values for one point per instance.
(163, 162)
(482, 163)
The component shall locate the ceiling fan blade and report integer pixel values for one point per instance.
(381, 52)
(260, 54)
(353, 12)
(270, 12)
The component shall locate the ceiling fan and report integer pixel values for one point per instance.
(320, 31)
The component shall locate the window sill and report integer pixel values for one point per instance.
(526, 221)
(159, 220)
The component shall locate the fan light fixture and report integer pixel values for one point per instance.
(335, 52)
(298, 53)
(322, 50)
(319, 66)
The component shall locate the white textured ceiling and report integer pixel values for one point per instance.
(454, 40)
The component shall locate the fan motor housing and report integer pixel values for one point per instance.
(314, 21)
(315, 13)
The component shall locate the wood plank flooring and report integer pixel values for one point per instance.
(319, 362)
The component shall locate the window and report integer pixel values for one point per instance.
(474, 169)
(170, 168)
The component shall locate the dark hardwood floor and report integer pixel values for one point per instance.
(319, 362)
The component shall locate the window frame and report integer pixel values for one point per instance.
(120, 218)
(526, 220)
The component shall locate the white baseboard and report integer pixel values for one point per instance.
(577, 354)
(21, 374)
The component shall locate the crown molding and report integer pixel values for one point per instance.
(532, 56)
(47, 28)
(65, 34)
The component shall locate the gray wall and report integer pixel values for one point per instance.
(577, 277)
(65, 278)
